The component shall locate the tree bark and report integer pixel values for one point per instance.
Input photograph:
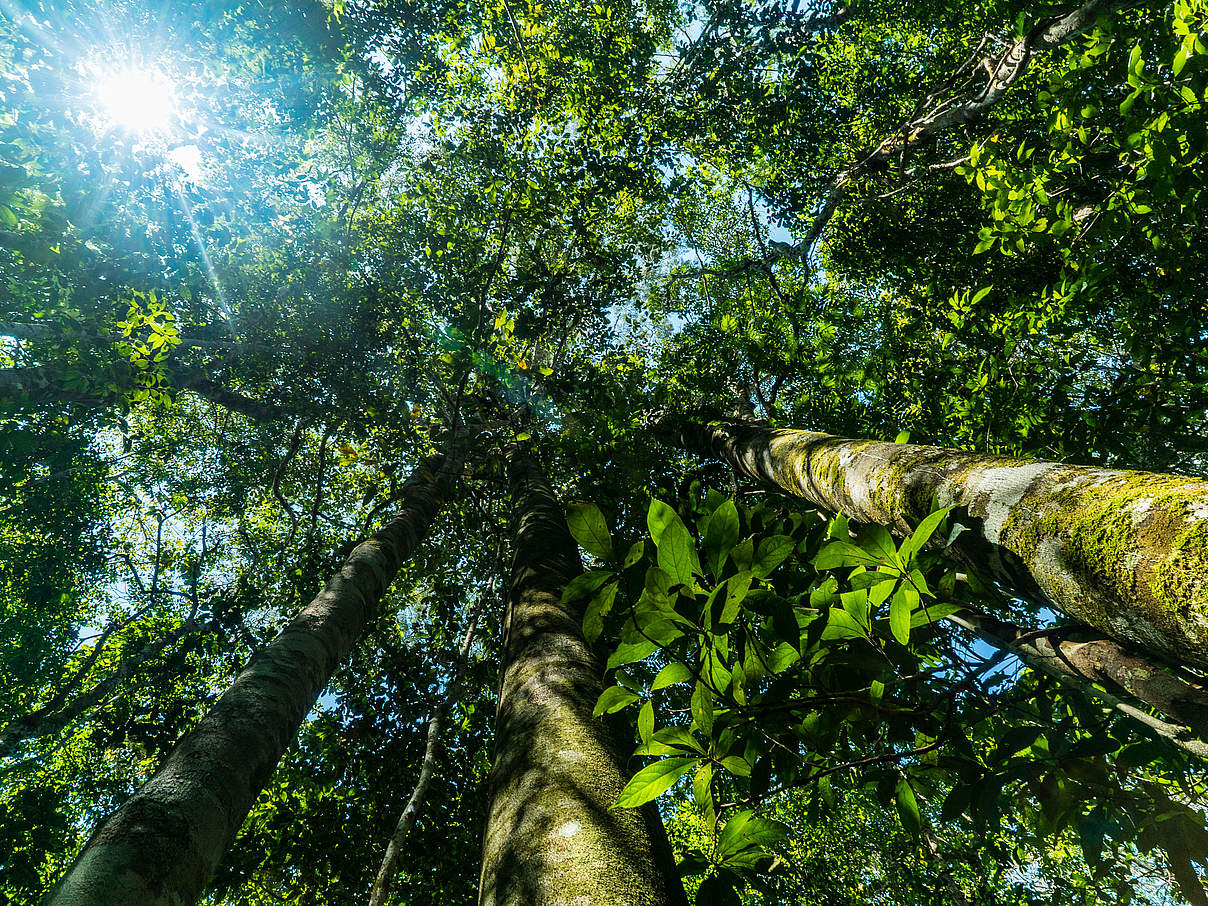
(1086, 665)
(1125, 552)
(552, 836)
(163, 844)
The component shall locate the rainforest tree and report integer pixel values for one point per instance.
(331, 329)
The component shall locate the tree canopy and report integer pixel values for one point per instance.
(283, 277)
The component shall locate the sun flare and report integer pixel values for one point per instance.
(140, 100)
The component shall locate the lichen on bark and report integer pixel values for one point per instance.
(552, 838)
(1124, 551)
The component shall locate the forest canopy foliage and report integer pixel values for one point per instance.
(278, 276)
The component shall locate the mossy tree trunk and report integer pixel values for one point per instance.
(1123, 551)
(161, 847)
(551, 837)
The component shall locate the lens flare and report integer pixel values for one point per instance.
(140, 100)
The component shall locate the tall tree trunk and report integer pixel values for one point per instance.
(1087, 665)
(1123, 551)
(163, 844)
(551, 837)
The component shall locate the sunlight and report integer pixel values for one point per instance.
(141, 100)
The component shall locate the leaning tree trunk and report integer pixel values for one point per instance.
(1124, 551)
(551, 837)
(163, 844)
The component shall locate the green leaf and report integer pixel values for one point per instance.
(613, 699)
(921, 535)
(876, 541)
(702, 708)
(646, 723)
(702, 786)
(743, 554)
(652, 781)
(839, 528)
(635, 554)
(721, 535)
(585, 584)
(785, 656)
(679, 736)
(843, 553)
(842, 625)
(743, 831)
(899, 617)
(855, 603)
(771, 553)
(908, 807)
(736, 590)
(673, 673)
(736, 765)
(932, 613)
(1180, 60)
(600, 605)
(588, 527)
(632, 653)
(902, 438)
(677, 553)
(658, 517)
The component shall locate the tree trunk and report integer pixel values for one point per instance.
(551, 836)
(1087, 665)
(1125, 552)
(163, 844)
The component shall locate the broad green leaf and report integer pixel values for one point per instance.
(841, 625)
(721, 534)
(677, 553)
(635, 554)
(921, 535)
(701, 705)
(856, 605)
(771, 553)
(839, 528)
(613, 699)
(736, 765)
(588, 527)
(878, 543)
(783, 657)
(593, 617)
(673, 673)
(931, 613)
(843, 553)
(743, 831)
(702, 786)
(899, 617)
(658, 517)
(679, 736)
(658, 583)
(585, 584)
(646, 723)
(908, 807)
(632, 653)
(743, 554)
(736, 590)
(652, 781)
